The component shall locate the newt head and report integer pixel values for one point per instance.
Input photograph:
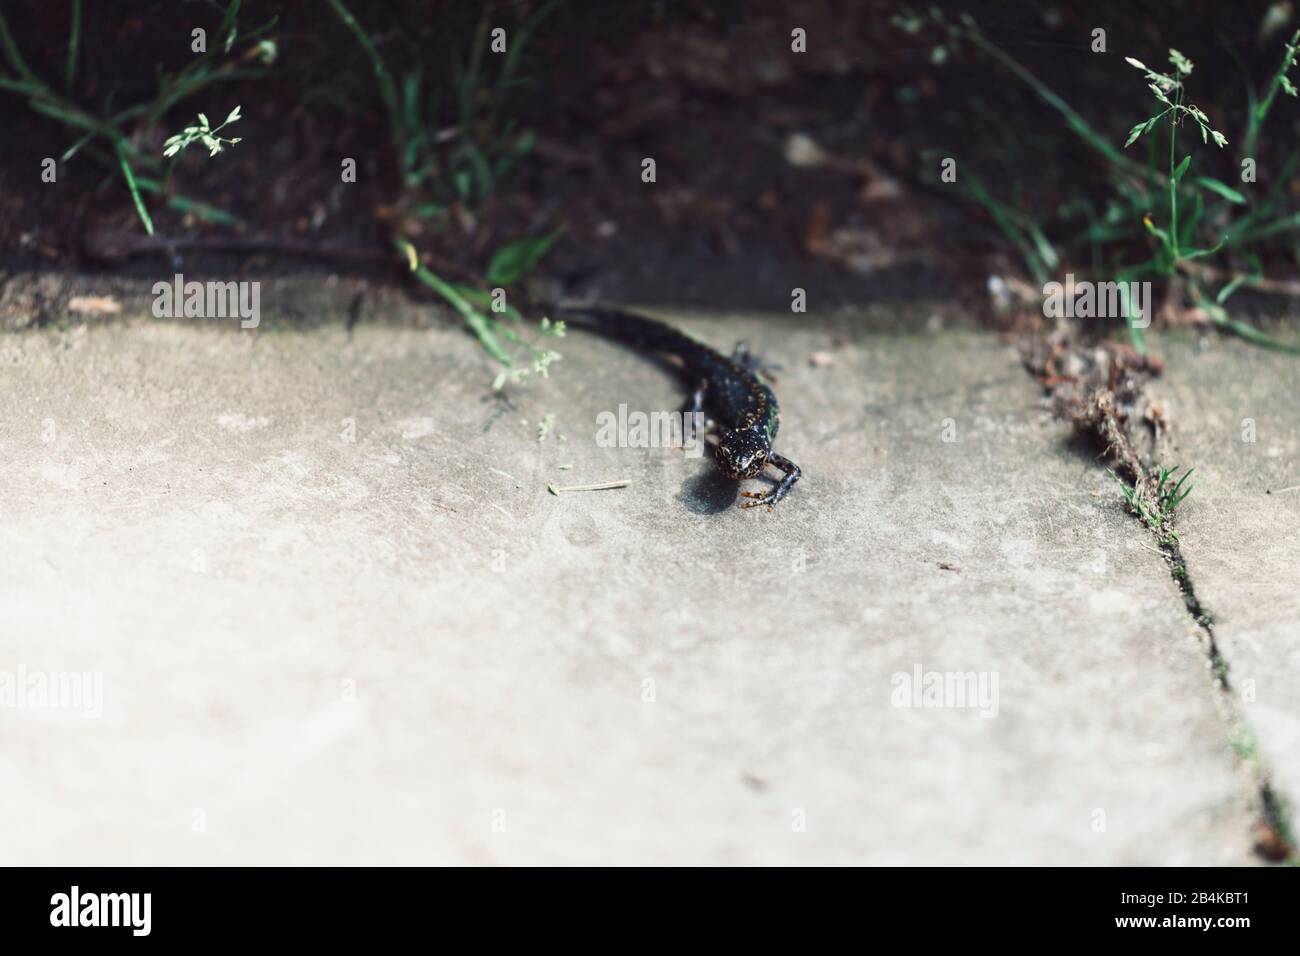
(742, 452)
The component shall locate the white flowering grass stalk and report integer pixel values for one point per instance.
(1169, 90)
(203, 132)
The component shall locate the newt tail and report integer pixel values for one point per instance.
(731, 389)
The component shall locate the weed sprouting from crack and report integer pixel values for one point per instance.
(1101, 388)
(1156, 509)
(1203, 219)
(1154, 498)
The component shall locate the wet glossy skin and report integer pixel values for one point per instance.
(742, 452)
(741, 403)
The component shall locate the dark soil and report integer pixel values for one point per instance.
(710, 90)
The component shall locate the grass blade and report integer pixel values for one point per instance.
(75, 148)
(11, 53)
(131, 185)
(74, 47)
(387, 89)
(205, 211)
(1227, 192)
(225, 32)
(475, 319)
(1219, 316)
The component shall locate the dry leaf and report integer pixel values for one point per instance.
(94, 305)
(821, 359)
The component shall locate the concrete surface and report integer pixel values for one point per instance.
(1237, 412)
(400, 648)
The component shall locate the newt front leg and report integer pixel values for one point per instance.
(770, 498)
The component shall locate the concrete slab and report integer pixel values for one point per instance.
(1237, 412)
(339, 619)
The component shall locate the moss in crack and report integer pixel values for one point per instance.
(1274, 835)
(1274, 838)
(1173, 552)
